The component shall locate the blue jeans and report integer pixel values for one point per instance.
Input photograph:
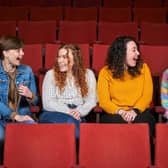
(59, 117)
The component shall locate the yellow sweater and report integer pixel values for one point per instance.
(128, 93)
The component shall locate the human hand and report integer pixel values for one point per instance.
(21, 118)
(75, 114)
(128, 115)
(165, 115)
(25, 91)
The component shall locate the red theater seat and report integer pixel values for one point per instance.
(114, 145)
(39, 146)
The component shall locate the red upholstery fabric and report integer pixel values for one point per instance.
(99, 56)
(155, 57)
(77, 32)
(117, 3)
(108, 31)
(14, 13)
(161, 160)
(154, 33)
(46, 13)
(33, 57)
(50, 54)
(8, 28)
(148, 3)
(114, 145)
(39, 146)
(115, 14)
(87, 3)
(157, 15)
(79, 14)
(37, 31)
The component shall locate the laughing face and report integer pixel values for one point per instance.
(132, 54)
(65, 60)
(13, 56)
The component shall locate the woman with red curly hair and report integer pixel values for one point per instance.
(69, 89)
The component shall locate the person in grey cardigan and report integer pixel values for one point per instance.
(69, 89)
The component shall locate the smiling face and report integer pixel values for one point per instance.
(132, 54)
(13, 56)
(65, 60)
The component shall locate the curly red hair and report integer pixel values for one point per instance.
(78, 70)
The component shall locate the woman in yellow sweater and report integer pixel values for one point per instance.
(125, 85)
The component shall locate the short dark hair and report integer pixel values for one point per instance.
(10, 42)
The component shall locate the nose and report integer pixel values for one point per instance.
(137, 52)
(59, 59)
(21, 52)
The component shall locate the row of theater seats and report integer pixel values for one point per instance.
(94, 56)
(128, 14)
(86, 3)
(85, 31)
(43, 57)
(100, 145)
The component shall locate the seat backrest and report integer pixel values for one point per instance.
(156, 57)
(99, 57)
(77, 31)
(33, 57)
(79, 14)
(14, 13)
(161, 146)
(37, 31)
(114, 145)
(117, 3)
(156, 15)
(8, 28)
(39, 146)
(148, 3)
(50, 55)
(108, 31)
(154, 33)
(115, 14)
(46, 13)
(86, 3)
(27, 3)
(165, 3)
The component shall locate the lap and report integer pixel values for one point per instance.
(56, 117)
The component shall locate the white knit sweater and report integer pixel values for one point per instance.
(53, 100)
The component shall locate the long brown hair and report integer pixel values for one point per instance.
(78, 70)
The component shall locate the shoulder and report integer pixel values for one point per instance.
(105, 71)
(145, 67)
(165, 72)
(25, 68)
(90, 73)
(49, 73)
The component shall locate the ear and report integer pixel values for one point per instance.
(4, 53)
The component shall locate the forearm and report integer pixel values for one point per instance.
(86, 107)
